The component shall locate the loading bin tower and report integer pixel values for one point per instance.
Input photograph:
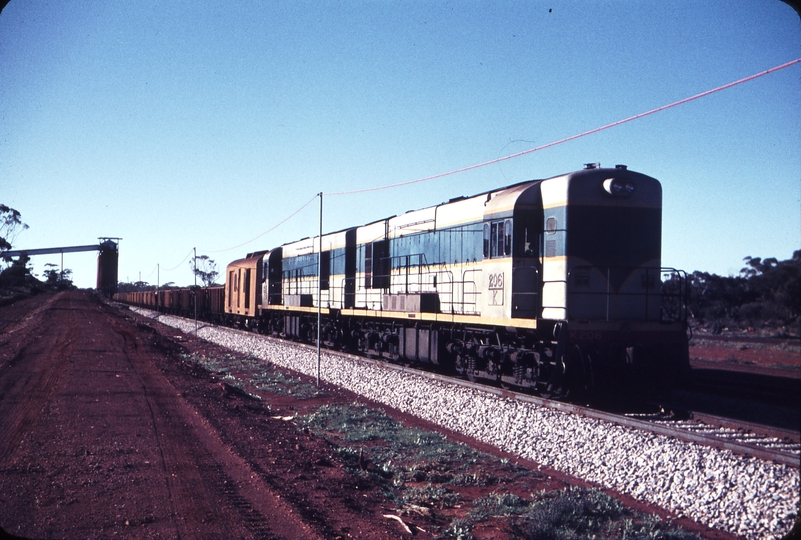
(107, 265)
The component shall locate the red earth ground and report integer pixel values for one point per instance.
(744, 351)
(106, 430)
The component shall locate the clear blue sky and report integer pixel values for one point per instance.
(203, 124)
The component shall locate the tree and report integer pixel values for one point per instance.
(50, 274)
(777, 284)
(205, 269)
(18, 273)
(757, 267)
(10, 226)
(765, 294)
(57, 278)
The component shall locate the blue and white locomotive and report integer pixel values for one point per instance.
(554, 285)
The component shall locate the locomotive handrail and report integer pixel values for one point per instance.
(548, 281)
(399, 263)
(671, 293)
(403, 264)
(466, 306)
(475, 292)
(399, 277)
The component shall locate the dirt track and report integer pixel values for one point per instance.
(106, 431)
(96, 441)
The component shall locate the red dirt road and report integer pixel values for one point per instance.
(95, 441)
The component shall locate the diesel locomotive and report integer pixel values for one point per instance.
(552, 285)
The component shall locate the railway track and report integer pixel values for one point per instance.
(740, 437)
(757, 440)
(744, 438)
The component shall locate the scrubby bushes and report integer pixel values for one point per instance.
(766, 295)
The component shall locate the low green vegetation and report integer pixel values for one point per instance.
(250, 371)
(423, 473)
(448, 487)
(415, 468)
(571, 513)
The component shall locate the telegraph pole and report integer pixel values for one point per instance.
(194, 249)
(319, 288)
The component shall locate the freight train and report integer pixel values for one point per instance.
(552, 285)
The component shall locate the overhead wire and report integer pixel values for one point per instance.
(151, 272)
(180, 263)
(518, 154)
(290, 216)
(572, 137)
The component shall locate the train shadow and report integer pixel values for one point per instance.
(759, 398)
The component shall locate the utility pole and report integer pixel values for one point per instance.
(319, 288)
(194, 249)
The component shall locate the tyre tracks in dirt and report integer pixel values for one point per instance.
(95, 441)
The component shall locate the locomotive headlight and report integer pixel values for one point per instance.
(618, 187)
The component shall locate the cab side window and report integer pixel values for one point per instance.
(498, 239)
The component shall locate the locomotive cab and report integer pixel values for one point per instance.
(512, 265)
(620, 316)
(602, 245)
